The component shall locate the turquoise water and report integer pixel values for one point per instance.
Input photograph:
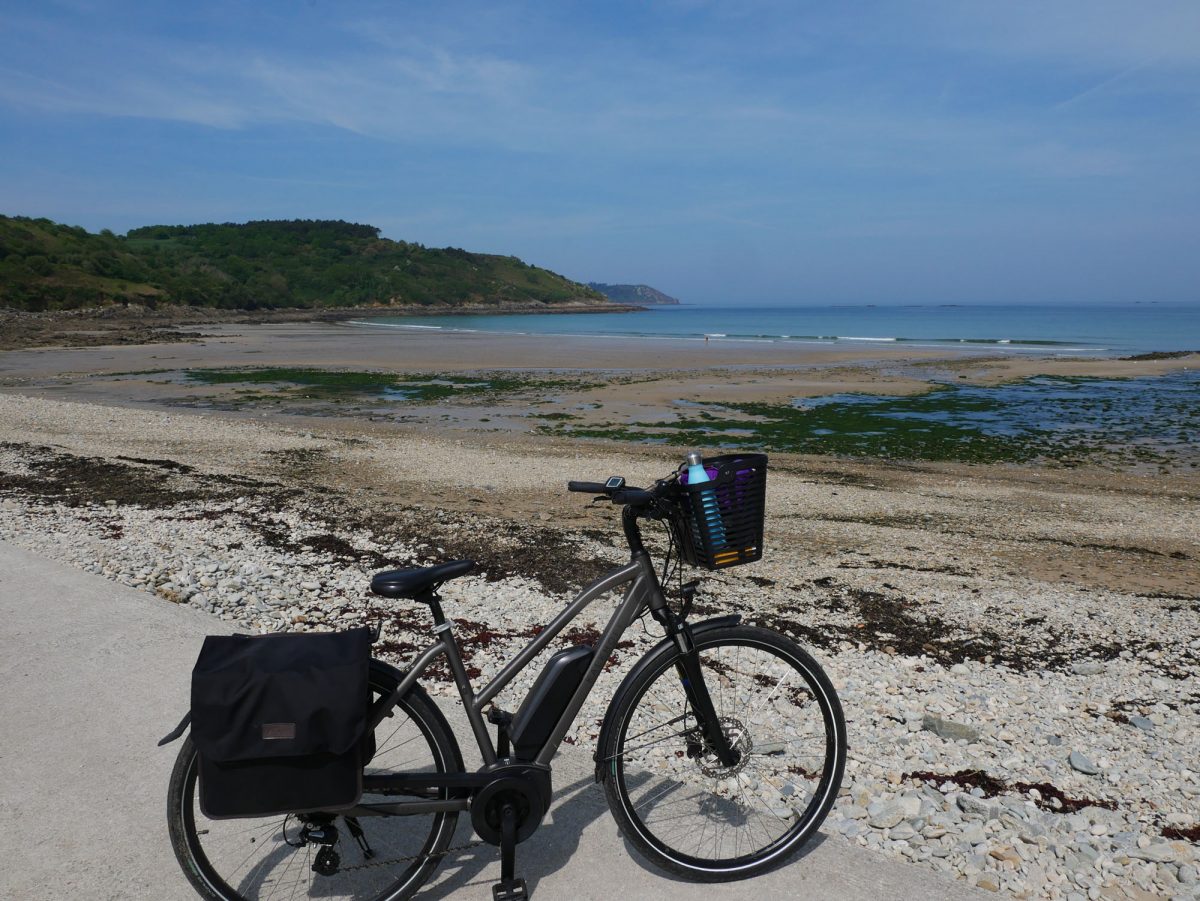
(1099, 329)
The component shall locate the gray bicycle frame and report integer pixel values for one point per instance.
(644, 592)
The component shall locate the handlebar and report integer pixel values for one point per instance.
(620, 493)
(639, 503)
(587, 487)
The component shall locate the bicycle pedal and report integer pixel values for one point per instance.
(510, 890)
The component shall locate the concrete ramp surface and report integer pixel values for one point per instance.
(94, 673)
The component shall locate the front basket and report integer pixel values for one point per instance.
(719, 523)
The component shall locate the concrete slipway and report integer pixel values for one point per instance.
(93, 673)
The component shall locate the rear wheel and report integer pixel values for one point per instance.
(252, 859)
(674, 799)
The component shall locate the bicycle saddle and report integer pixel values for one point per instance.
(410, 583)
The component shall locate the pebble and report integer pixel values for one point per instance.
(905, 713)
(988, 881)
(1082, 764)
(884, 814)
(973, 806)
(949, 729)
(1157, 853)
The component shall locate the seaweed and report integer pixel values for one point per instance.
(331, 384)
(500, 548)
(894, 624)
(1187, 834)
(335, 547)
(172, 465)
(77, 481)
(1051, 797)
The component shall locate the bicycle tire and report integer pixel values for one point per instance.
(256, 853)
(646, 773)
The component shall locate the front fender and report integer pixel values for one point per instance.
(720, 622)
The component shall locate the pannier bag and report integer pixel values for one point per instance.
(278, 722)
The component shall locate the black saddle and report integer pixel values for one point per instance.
(420, 581)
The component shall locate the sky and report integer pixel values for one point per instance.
(723, 152)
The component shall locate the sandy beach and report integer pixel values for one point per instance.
(1049, 611)
(587, 386)
(361, 343)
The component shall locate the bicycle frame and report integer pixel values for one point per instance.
(643, 592)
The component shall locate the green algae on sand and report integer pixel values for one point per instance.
(330, 384)
(1151, 421)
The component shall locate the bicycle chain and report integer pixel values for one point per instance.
(381, 863)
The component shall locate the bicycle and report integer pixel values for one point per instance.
(720, 754)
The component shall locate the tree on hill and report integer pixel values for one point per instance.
(258, 264)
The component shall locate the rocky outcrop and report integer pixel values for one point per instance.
(635, 294)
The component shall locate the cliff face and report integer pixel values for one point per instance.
(642, 295)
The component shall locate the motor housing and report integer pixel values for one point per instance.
(525, 786)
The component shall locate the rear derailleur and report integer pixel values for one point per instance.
(322, 832)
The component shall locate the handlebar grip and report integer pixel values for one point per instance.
(635, 497)
(587, 487)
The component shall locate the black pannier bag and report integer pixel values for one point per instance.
(278, 722)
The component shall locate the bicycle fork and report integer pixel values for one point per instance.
(696, 690)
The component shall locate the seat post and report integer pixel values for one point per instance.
(434, 600)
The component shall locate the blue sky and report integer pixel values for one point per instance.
(723, 152)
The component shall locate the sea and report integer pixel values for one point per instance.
(1052, 329)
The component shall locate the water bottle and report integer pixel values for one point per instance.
(710, 511)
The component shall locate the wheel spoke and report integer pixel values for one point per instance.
(266, 859)
(697, 812)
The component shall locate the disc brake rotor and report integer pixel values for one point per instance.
(739, 738)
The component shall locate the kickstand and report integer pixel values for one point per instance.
(509, 888)
(359, 836)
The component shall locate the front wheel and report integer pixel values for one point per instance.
(674, 799)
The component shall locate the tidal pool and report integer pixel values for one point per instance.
(1123, 422)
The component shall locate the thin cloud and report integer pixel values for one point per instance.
(1094, 33)
(1103, 85)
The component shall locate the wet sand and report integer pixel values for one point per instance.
(419, 350)
(636, 372)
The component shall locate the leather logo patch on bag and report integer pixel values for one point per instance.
(278, 731)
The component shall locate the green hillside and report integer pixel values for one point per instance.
(256, 265)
